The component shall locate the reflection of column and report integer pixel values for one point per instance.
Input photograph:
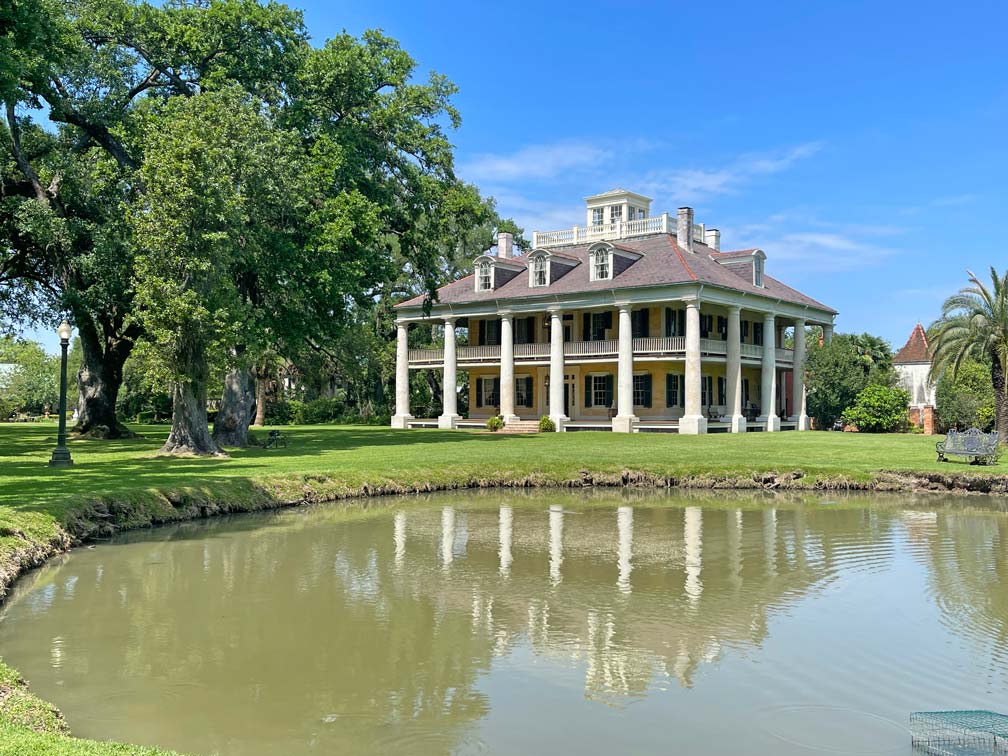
(735, 547)
(693, 536)
(624, 527)
(770, 540)
(504, 539)
(447, 535)
(555, 542)
(399, 537)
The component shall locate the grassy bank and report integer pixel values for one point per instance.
(121, 484)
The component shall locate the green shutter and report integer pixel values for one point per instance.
(588, 391)
(669, 383)
(528, 391)
(681, 317)
(608, 390)
(669, 314)
(647, 389)
(721, 390)
(607, 319)
(496, 391)
(586, 327)
(479, 388)
(482, 333)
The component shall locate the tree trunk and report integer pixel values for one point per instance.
(98, 381)
(1000, 400)
(262, 382)
(190, 433)
(232, 422)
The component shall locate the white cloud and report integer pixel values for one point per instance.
(691, 183)
(542, 161)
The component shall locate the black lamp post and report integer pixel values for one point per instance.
(61, 455)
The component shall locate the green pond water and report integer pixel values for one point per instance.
(504, 623)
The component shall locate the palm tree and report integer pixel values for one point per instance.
(974, 324)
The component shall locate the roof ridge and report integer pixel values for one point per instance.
(686, 267)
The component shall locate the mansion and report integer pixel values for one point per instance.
(632, 322)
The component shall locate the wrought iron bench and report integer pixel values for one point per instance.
(275, 440)
(982, 448)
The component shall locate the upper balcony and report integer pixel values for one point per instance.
(650, 348)
(659, 224)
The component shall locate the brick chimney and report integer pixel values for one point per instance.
(684, 228)
(712, 238)
(505, 245)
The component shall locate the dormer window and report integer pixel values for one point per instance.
(601, 265)
(540, 271)
(484, 276)
(757, 271)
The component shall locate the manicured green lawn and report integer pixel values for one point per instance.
(127, 484)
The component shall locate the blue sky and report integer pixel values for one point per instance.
(861, 145)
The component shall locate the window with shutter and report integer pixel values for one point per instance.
(673, 390)
(757, 334)
(609, 391)
(706, 390)
(745, 392)
(642, 390)
(589, 393)
(481, 334)
(721, 391)
(722, 327)
(639, 324)
(745, 331)
(479, 392)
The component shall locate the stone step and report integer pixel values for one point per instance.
(521, 426)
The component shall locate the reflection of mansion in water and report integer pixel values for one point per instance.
(638, 596)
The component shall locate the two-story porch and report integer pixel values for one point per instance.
(620, 325)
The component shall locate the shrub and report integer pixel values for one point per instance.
(494, 424)
(317, 411)
(546, 425)
(967, 399)
(280, 413)
(879, 409)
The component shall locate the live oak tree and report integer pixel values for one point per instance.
(92, 66)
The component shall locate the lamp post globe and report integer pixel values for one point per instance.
(61, 454)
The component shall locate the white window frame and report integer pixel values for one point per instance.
(634, 388)
(598, 216)
(535, 271)
(757, 271)
(599, 389)
(601, 258)
(615, 213)
(484, 276)
(678, 387)
(488, 393)
(520, 399)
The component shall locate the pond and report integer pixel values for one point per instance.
(515, 623)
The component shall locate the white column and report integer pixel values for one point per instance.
(402, 416)
(449, 388)
(693, 421)
(507, 379)
(556, 389)
(827, 333)
(733, 370)
(798, 381)
(625, 418)
(768, 392)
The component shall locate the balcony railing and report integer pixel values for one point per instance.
(674, 346)
(659, 224)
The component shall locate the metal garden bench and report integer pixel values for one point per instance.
(981, 448)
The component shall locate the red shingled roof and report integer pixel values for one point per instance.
(662, 262)
(916, 348)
